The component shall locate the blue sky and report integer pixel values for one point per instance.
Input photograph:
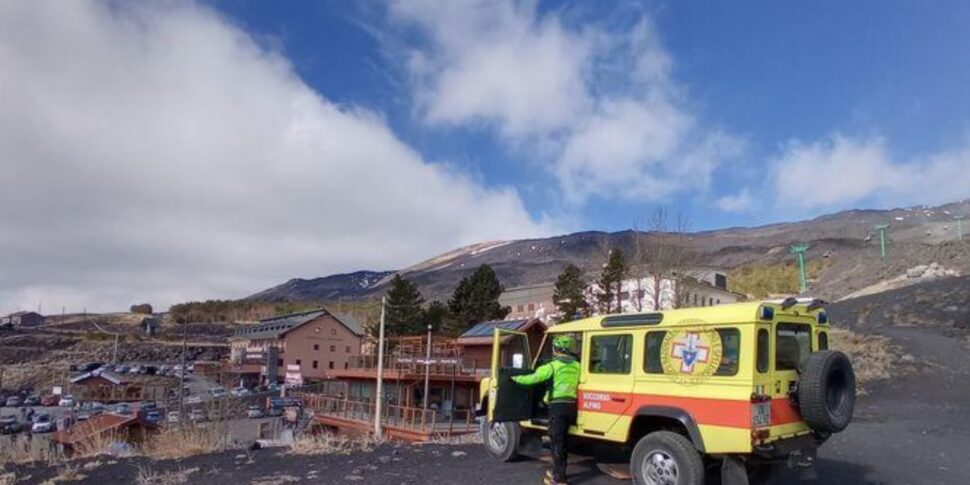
(767, 73)
(176, 150)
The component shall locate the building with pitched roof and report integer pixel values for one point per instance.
(22, 319)
(308, 346)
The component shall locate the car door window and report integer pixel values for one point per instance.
(611, 354)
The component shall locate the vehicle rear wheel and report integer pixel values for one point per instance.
(501, 439)
(666, 458)
(826, 391)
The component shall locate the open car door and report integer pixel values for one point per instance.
(511, 356)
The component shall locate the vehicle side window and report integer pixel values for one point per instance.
(793, 343)
(823, 341)
(763, 350)
(610, 354)
(731, 353)
(652, 363)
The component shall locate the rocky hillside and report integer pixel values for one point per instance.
(847, 240)
(942, 303)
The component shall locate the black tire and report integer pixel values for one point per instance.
(501, 440)
(668, 447)
(826, 391)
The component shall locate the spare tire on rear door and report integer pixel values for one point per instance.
(826, 391)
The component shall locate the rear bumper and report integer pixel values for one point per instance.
(796, 452)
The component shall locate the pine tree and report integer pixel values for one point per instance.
(569, 294)
(404, 313)
(611, 282)
(476, 299)
(436, 315)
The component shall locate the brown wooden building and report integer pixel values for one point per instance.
(107, 387)
(317, 343)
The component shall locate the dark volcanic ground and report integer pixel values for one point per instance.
(911, 430)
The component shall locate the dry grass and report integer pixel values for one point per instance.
(186, 441)
(147, 476)
(8, 478)
(67, 472)
(872, 355)
(22, 451)
(330, 444)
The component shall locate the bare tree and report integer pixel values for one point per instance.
(663, 255)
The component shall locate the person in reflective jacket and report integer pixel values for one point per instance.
(563, 370)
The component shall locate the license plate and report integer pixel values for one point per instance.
(761, 415)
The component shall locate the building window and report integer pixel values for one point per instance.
(333, 331)
(763, 352)
(519, 308)
(316, 346)
(333, 348)
(316, 364)
(348, 349)
(624, 295)
(279, 362)
(710, 302)
(299, 362)
(346, 365)
(718, 301)
(331, 364)
(695, 299)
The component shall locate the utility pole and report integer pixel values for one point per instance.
(427, 370)
(882, 239)
(799, 251)
(116, 350)
(182, 378)
(379, 404)
(959, 220)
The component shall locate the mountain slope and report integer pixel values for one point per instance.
(918, 235)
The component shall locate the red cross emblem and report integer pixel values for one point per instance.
(690, 352)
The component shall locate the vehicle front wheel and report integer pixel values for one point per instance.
(501, 439)
(666, 458)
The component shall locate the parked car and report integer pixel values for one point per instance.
(84, 415)
(137, 369)
(274, 412)
(14, 402)
(218, 392)
(66, 401)
(5, 420)
(42, 424)
(197, 415)
(12, 427)
(123, 409)
(255, 412)
(147, 406)
(173, 417)
(153, 417)
(194, 399)
(240, 392)
(32, 401)
(273, 387)
(122, 369)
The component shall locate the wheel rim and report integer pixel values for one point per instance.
(498, 436)
(659, 468)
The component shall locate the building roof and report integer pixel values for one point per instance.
(277, 326)
(97, 425)
(482, 333)
(108, 376)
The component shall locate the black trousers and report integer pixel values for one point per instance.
(562, 415)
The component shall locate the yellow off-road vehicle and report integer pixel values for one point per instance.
(744, 387)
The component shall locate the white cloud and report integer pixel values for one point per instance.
(157, 153)
(840, 171)
(738, 202)
(599, 105)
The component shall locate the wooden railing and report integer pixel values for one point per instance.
(402, 417)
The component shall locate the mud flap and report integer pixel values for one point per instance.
(733, 472)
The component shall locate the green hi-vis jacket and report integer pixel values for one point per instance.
(564, 372)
